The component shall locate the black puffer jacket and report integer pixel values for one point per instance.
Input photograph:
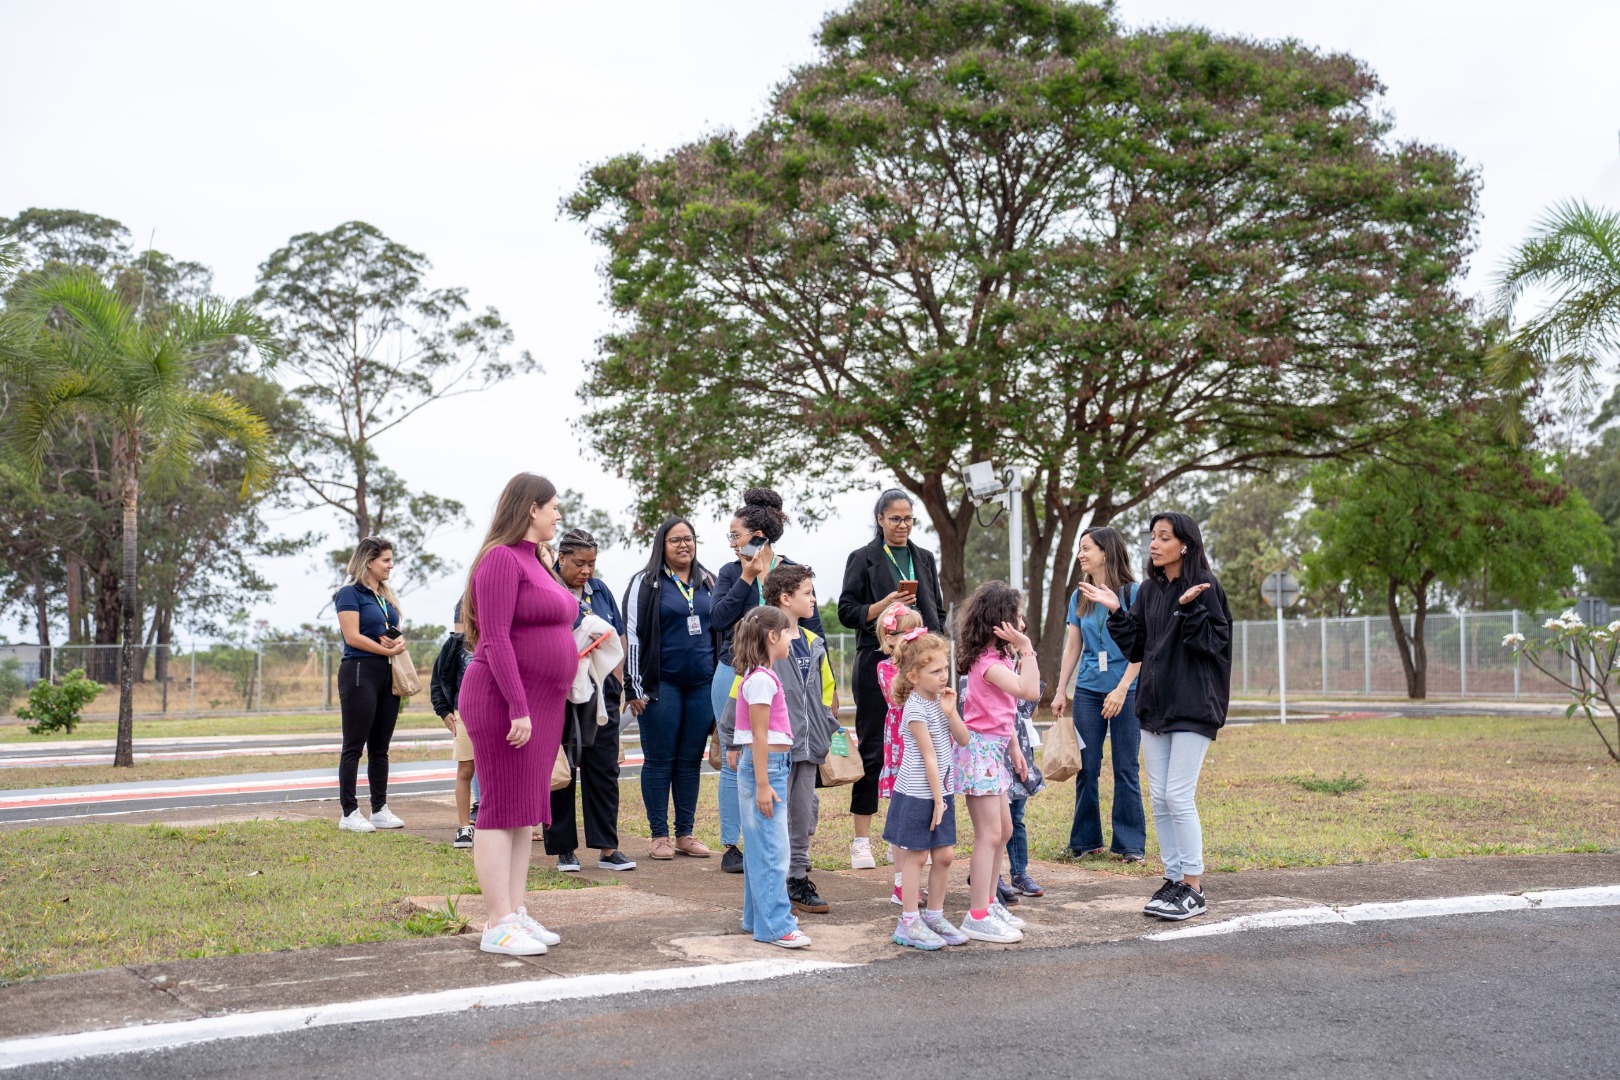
(1185, 652)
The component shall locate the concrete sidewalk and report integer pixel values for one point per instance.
(685, 913)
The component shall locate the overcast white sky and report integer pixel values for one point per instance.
(228, 128)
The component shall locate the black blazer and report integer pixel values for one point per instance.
(869, 577)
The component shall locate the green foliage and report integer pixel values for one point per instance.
(1595, 470)
(829, 619)
(1256, 528)
(11, 683)
(435, 923)
(1593, 651)
(1343, 784)
(56, 708)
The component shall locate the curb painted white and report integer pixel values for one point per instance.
(16, 1053)
(1599, 896)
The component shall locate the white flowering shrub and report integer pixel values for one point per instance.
(1581, 659)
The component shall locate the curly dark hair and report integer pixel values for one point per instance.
(761, 512)
(785, 581)
(993, 603)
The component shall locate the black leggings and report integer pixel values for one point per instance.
(870, 709)
(370, 710)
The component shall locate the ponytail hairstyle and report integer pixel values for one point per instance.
(896, 619)
(1118, 565)
(886, 500)
(910, 657)
(510, 524)
(370, 548)
(761, 512)
(993, 603)
(751, 641)
(1195, 568)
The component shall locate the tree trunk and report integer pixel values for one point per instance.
(75, 599)
(124, 753)
(952, 529)
(103, 660)
(1062, 578)
(42, 620)
(1414, 657)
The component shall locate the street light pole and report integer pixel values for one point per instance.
(1015, 528)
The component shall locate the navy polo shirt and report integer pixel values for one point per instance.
(598, 600)
(685, 659)
(374, 624)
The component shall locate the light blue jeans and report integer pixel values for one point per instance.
(767, 912)
(1172, 763)
(730, 824)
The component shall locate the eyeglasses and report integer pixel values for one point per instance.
(736, 537)
(897, 522)
(682, 541)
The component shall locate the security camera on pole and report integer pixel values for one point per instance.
(1280, 590)
(984, 485)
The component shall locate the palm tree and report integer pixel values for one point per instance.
(1573, 254)
(88, 354)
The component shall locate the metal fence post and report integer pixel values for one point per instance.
(258, 677)
(52, 679)
(1515, 655)
(1462, 654)
(1366, 651)
(193, 677)
(326, 680)
(1245, 656)
(1324, 654)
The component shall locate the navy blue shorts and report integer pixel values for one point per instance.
(906, 825)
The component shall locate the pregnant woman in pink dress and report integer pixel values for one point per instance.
(519, 619)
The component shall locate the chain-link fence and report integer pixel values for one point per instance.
(1337, 657)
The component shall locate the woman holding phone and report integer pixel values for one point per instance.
(739, 587)
(368, 615)
(887, 570)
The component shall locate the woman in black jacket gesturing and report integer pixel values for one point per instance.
(1180, 631)
(890, 569)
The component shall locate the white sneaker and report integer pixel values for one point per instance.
(509, 938)
(860, 854)
(1000, 911)
(793, 939)
(990, 928)
(535, 930)
(355, 822)
(385, 819)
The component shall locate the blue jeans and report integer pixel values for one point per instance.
(1130, 824)
(730, 824)
(1018, 843)
(674, 734)
(767, 912)
(1173, 762)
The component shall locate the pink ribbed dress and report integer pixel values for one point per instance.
(523, 666)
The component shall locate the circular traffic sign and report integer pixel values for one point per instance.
(1280, 589)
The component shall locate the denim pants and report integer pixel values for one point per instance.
(767, 912)
(1018, 843)
(719, 693)
(674, 734)
(1125, 735)
(1173, 762)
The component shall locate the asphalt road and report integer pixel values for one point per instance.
(1523, 994)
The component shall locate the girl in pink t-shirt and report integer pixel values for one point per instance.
(999, 662)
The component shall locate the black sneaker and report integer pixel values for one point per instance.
(1186, 903)
(616, 861)
(463, 838)
(568, 863)
(1156, 906)
(802, 892)
(732, 861)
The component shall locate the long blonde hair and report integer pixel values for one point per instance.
(511, 524)
(372, 547)
(911, 657)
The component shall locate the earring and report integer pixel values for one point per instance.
(1184, 551)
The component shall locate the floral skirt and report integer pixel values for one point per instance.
(981, 765)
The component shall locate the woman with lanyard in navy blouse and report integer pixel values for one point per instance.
(890, 569)
(669, 669)
(368, 616)
(597, 759)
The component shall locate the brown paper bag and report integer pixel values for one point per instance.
(717, 753)
(1060, 754)
(843, 764)
(406, 682)
(561, 772)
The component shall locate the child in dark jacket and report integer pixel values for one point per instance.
(444, 690)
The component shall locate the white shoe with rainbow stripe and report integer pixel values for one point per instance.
(509, 937)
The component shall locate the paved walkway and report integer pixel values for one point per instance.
(684, 913)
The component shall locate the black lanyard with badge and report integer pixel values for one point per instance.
(694, 625)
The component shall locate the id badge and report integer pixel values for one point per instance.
(1102, 661)
(694, 625)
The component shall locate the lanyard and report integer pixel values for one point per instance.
(759, 582)
(911, 564)
(687, 591)
(383, 604)
(585, 598)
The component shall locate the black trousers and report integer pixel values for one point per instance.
(597, 777)
(370, 710)
(870, 709)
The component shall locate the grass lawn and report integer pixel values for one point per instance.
(94, 896)
(69, 775)
(417, 716)
(1433, 788)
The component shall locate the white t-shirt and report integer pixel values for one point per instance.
(758, 689)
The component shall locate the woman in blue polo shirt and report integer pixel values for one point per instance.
(1104, 703)
(368, 615)
(668, 669)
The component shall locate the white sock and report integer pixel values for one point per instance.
(931, 914)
